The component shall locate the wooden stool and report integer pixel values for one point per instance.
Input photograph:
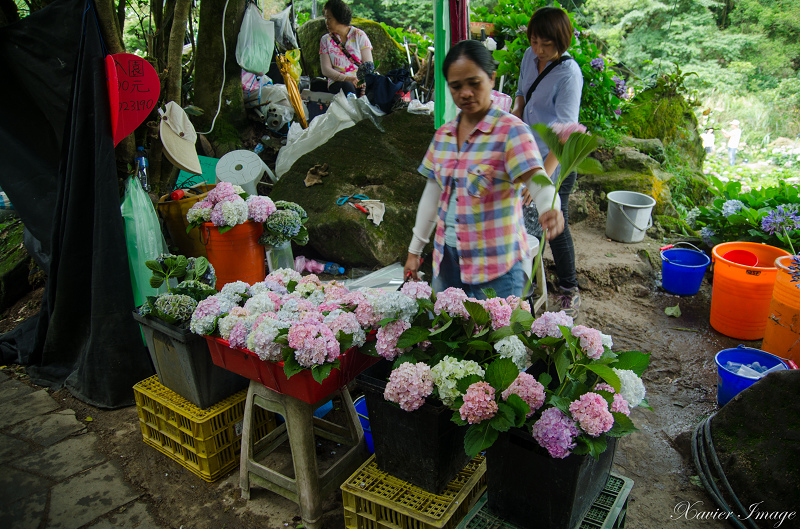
(308, 487)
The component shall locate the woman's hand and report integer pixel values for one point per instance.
(413, 263)
(526, 197)
(552, 221)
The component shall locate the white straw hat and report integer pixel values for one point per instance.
(735, 122)
(178, 137)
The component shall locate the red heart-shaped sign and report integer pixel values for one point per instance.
(133, 89)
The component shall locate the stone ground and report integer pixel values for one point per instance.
(65, 464)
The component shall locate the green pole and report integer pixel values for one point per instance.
(444, 109)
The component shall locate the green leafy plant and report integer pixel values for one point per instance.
(412, 36)
(188, 279)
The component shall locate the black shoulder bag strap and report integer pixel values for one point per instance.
(543, 75)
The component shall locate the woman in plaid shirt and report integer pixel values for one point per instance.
(477, 166)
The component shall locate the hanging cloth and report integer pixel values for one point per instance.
(459, 21)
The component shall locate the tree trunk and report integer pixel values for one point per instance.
(172, 88)
(210, 75)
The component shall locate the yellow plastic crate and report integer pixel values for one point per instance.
(374, 499)
(205, 441)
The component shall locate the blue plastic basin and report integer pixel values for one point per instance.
(361, 409)
(730, 384)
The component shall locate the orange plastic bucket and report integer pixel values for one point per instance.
(174, 214)
(740, 295)
(236, 254)
(782, 335)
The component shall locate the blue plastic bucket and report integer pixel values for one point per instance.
(682, 270)
(730, 384)
(361, 409)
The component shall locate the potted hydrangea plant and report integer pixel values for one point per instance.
(289, 332)
(234, 226)
(181, 358)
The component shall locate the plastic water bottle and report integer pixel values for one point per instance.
(141, 168)
(333, 269)
(258, 148)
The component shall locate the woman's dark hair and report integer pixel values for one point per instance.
(551, 23)
(340, 11)
(474, 51)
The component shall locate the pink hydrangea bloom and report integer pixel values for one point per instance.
(387, 336)
(605, 387)
(518, 303)
(238, 336)
(555, 432)
(451, 301)
(207, 307)
(564, 130)
(310, 279)
(408, 385)
(334, 291)
(591, 340)
(591, 412)
(479, 403)
(313, 342)
(620, 405)
(239, 311)
(259, 208)
(529, 389)
(222, 190)
(499, 310)
(547, 324)
(417, 289)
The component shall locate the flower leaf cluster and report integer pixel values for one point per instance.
(189, 280)
(287, 223)
(297, 320)
(768, 215)
(498, 368)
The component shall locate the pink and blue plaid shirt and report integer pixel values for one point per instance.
(489, 225)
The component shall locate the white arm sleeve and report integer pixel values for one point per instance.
(543, 196)
(426, 217)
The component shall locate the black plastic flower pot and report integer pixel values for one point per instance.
(422, 447)
(183, 363)
(528, 488)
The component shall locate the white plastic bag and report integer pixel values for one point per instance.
(256, 41)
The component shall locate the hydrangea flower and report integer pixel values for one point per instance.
(260, 303)
(229, 212)
(547, 324)
(262, 336)
(417, 289)
(346, 322)
(479, 403)
(591, 412)
(280, 227)
(619, 87)
(179, 306)
(691, 217)
(513, 348)
(259, 208)
(446, 374)
(395, 305)
(200, 212)
(387, 336)
(529, 389)
(291, 206)
(731, 207)
(264, 287)
(409, 385)
(241, 330)
(706, 233)
(631, 387)
(591, 341)
(237, 290)
(220, 192)
(499, 310)
(283, 276)
(565, 130)
(518, 303)
(598, 64)
(555, 432)
(226, 323)
(313, 342)
(451, 301)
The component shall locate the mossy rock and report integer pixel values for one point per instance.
(363, 160)
(670, 119)
(756, 440)
(653, 185)
(14, 263)
(386, 53)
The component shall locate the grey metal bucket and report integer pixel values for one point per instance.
(628, 216)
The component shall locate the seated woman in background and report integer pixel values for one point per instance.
(343, 49)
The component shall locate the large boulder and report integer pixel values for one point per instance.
(363, 160)
(386, 53)
(757, 442)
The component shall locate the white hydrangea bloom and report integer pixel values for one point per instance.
(259, 303)
(446, 374)
(234, 212)
(261, 339)
(513, 348)
(204, 325)
(395, 305)
(606, 340)
(197, 215)
(225, 324)
(631, 386)
(238, 189)
(235, 290)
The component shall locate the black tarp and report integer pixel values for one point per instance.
(59, 171)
